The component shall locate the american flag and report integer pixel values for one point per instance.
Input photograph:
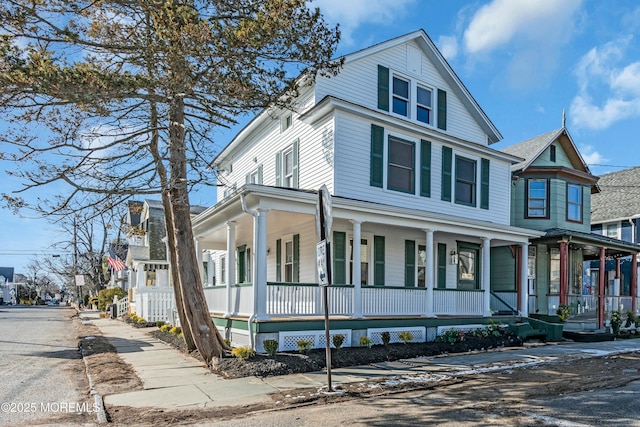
(115, 262)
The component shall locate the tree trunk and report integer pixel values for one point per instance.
(207, 339)
(175, 277)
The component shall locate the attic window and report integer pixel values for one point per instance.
(287, 122)
(552, 153)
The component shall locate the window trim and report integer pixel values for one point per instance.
(580, 204)
(368, 238)
(286, 122)
(401, 98)
(474, 184)
(223, 269)
(418, 105)
(527, 198)
(413, 164)
(605, 230)
(476, 282)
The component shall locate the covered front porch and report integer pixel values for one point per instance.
(582, 272)
(258, 258)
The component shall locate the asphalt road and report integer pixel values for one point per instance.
(42, 376)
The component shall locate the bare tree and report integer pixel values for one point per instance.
(131, 93)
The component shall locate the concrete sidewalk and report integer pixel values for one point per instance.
(173, 380)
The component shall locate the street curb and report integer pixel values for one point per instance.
(101, 414)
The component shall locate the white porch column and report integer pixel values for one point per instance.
(486, 275)
(260, 264)
(231, 264)
(357, 270)
(199, 260)
(210, 268)
(430, 274)
(140, 273)
(524, 280)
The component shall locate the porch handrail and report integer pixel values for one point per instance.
(292, 284)
(506, 304)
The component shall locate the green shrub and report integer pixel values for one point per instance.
(175, 330)
(386, 338)
(563, 312)
(243, 353)
(451, 336)
(405, 336)
(160, 323)
(227, 341)
(105, 297)
(631, 319)
(270, 346)
(364, 342)
(337, 340)
(616, 321)
(304, 345)
(165, 328)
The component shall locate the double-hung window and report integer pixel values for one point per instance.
(574, 202)
(364, 262)
(401, 96)
(287, 166)
(611, 230)
(401, 171)
(465, 181)
(423, 105)
(537, 198)
(288, 261)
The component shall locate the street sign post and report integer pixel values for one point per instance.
(323, 222)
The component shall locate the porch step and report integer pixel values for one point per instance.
(526, 331)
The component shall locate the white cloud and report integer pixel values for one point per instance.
(448, 46)
(590, 156)
(500, 21)
(350, 14)
(608, 91)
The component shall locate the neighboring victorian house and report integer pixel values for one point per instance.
(552, 190)
(615, 213)
(420, 205)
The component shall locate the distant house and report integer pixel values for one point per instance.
(151, 295)
(420, 205)
(615, 213)
(552, 191)
(6, 279)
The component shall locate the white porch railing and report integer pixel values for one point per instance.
(458, 302)
(216, 297)
(302, 299)
(155, 303)
(241, 299)
(296, 299)
(384, 301)
(123, 306)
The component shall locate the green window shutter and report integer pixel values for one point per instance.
(296, 174)
(260, 174)
(442, 109)
(241, 264)
(339, 257)
(296, 257)
(378, 255)
(383, 88)
(442, 266)
(425, 168)
(279, 169)
(409, 263)
(484, 184)
(447, 158)
(377, 152)
(279, 260)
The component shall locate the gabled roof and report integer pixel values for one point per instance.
(434, 55)
(619, 198)
(441, 64)
(531, 149)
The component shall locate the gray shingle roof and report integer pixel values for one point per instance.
(530, 149)
(619, 196)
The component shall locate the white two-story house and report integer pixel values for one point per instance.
(420, 202)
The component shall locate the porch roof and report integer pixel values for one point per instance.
(304, 202)
(590, 243)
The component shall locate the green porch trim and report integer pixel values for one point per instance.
(225, 322)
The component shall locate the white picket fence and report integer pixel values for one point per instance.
(155, 303)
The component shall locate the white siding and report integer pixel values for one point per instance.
(352, 165)
(358, 83)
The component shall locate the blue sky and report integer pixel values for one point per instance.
(523, 60)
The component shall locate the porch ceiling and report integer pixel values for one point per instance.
(590, 243)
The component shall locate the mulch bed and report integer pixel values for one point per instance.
(314, 360)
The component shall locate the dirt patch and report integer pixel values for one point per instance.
(110, 374)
